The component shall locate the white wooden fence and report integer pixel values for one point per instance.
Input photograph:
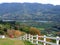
(35, 39)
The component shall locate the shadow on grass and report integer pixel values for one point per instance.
(27, 43)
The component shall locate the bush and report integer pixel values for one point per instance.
(5, 29)
(1, 32)
(15, 33)
(34, 31)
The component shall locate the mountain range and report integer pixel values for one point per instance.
(29, 11)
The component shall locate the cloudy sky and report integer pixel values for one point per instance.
(55, 2)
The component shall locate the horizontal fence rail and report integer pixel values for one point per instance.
(36, 39)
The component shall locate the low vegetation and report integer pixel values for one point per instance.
(16, 29)
(49, 29)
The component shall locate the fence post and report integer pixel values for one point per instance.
(29, 37)
(44, 39)
(26, 37)
(57, 40)
(32, 38)
(37, 39)
(20, 38)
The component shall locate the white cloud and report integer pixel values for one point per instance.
(55, 2)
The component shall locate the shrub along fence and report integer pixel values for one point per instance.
(40, 40)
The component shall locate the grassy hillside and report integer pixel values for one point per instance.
(13, 42)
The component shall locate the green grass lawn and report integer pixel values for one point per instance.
(13, 42)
